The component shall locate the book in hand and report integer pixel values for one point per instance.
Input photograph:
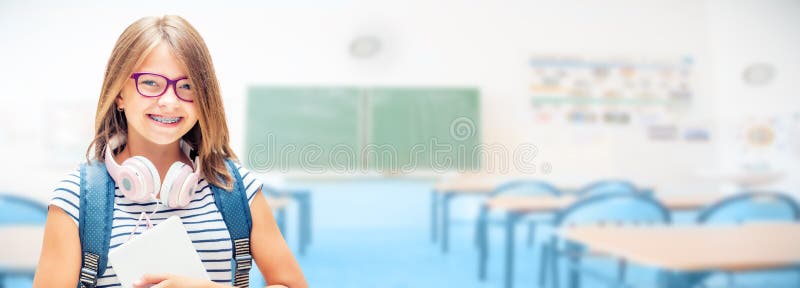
(166, 248)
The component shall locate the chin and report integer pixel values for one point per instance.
(161, 139)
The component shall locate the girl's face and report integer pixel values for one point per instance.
(163, 119)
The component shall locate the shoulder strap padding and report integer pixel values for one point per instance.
(236, 213)
(95, 220)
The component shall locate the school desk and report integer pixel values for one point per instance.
(465, 185)
(22, 245)
(444, 192)
(685, 255)
(303, 199)
(278, 206)
(516, 207)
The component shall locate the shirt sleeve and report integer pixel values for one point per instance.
(251, 183)
(66, 195)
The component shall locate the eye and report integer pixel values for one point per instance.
(186, 86)
(148, 82)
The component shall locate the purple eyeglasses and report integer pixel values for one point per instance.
(154, 85)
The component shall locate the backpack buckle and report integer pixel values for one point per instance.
(241, 270)
(242, 263)
(88, 277)
(242, 260)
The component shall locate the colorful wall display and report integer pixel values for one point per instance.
(647, 95)
(618, 91)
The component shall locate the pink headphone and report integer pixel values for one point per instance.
(139, 181)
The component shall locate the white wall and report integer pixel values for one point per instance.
(54, 56)
(746, 32)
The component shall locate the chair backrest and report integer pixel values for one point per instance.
(609, 187)
(15, 209)
(526, 187)
(614, 208)
(752, 206)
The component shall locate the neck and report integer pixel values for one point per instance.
(161, 155)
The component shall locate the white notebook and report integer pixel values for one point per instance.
(166, 248)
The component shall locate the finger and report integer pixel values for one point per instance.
(141, 284)
(148, 279)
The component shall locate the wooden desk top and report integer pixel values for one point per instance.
(528, 204)
(476, 186)
(278, 202)
(482, 185)
(544, 203)
(745, 247)
(22, 246)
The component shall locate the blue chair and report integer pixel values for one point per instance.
(750, 207)
(18, 210)
(610, 209)
(518, 187)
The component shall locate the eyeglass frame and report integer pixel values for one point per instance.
(170, 82)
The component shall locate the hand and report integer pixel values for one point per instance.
(168, 280)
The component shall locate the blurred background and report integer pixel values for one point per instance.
(369, 120)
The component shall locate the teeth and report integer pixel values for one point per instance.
(165, 120)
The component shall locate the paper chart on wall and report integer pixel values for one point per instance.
(610, 92)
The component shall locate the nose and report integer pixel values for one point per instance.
(169, 98)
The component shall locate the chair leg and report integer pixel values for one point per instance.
(482, 238)
(543, 265)
(554, 264)
(480, 225)
(729, 277)
(798, 278)
(434, 216)
(573, 254)
(531, 232)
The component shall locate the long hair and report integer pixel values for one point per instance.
(209, 137)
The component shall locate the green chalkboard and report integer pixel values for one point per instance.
(303, 128)
(427, 128)
(344, 129)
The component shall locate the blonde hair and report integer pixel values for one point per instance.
(209, 137)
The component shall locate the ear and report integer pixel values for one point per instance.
(119, 101)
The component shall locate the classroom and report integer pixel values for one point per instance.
(610, 143)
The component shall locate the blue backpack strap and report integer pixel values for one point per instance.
(96, 212)
(236, 214)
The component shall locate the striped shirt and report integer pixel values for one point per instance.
(201, 218)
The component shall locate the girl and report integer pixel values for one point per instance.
(160, 98)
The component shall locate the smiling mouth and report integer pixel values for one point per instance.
(164, 120)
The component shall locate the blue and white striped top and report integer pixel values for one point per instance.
(201, 218)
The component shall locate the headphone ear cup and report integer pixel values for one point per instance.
(148, 176)
(126, 177)
(189, 188)
(130, 183)
(171, 189)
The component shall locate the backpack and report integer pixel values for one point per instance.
(96, 215)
